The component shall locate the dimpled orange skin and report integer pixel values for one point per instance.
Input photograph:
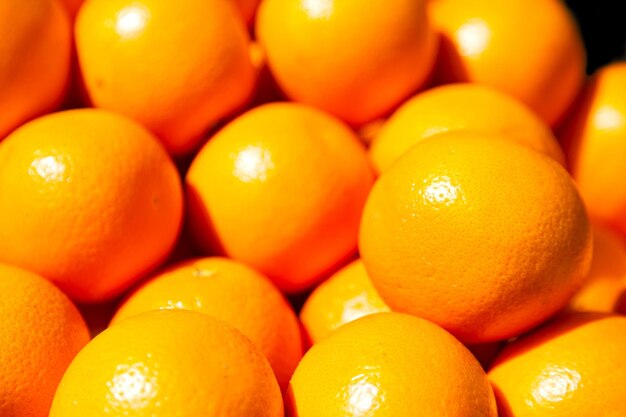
(355, 62)
(605, 284)
(176, 67)
(593, 139)
(280, 188)
(389, 364)
(40, 333)
(169, 363)
(461, 106)
(480, 235)
(529, 49)
(35, 64)
(344, 297)
(232, 292)
(571, 367)
(90, 200)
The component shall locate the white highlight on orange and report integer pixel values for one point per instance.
(131, 21)
(253, 164)
(473, 37)
(318, 9)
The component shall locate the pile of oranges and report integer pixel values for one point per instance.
(309, 208)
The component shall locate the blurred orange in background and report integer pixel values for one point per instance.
(605, 287)
(461, 106)
(593, 139)
(35, 59)
(176, 67)
(354, 62)
(530, 49)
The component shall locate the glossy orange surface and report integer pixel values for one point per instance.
(90, 200)
(571, 367)
(389, 365)
(232, 292)
(176, 67)
(483, 236)
(461, 106)
(530, 49)
(169, 363)
(345, 296)
(280, 188)
(593, 140)
(354, 62)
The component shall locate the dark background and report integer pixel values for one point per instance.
(603, 27)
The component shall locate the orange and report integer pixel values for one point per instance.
(176, 67)
(40, 333)
(90, 200)
(169, 363)
(344, 297)
(35, 66)
(480, 235)
(593, 140)
(530, 49)
(461, 106)
(389, 364)
(232, 292)
(280, 188)
(606, 281)
(353, 60)
(571, 367)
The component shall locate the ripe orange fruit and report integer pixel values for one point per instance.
(530, 49)
(389, 364)
(344, 297)
(606, 281)
(280, 188)
(480, 235)
(40, 333)
(35, 64)
(90, 200)
(571, 367)
(593, 140)
(354, 62)
(461, 106)
(169, 363)
(176, 67)
(232, 292)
